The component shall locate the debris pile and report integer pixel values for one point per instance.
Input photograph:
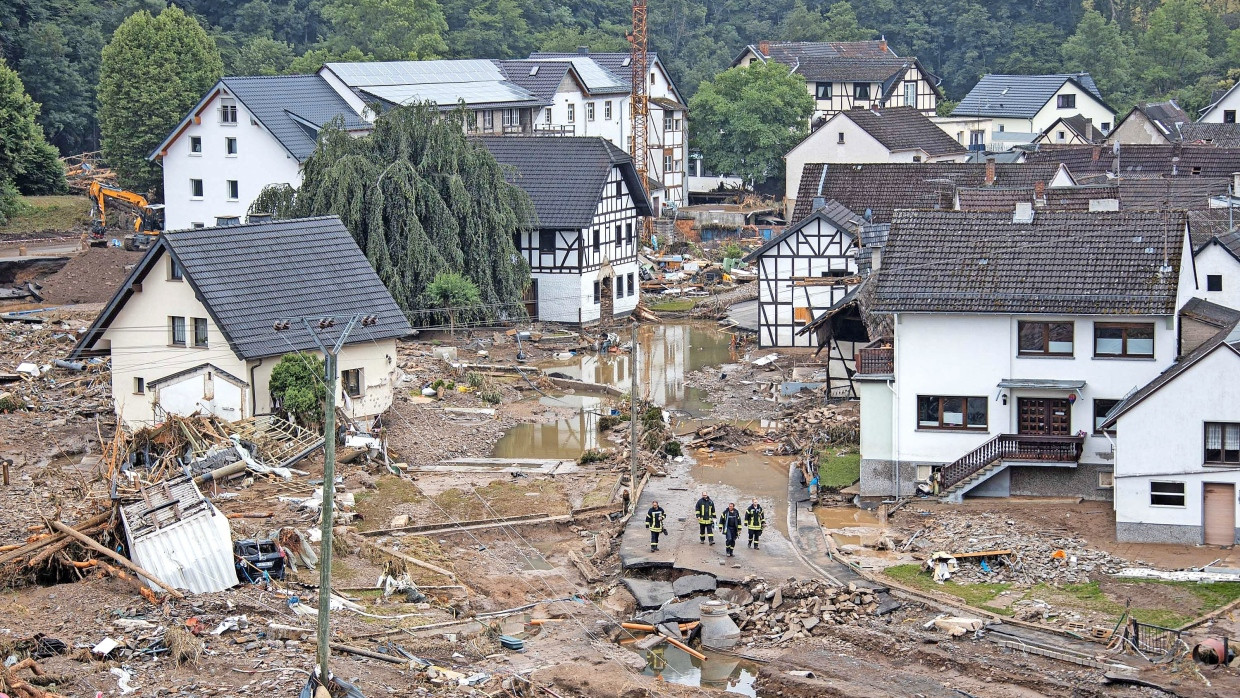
(1035, 557)
(721, 436)
(772, 614)
(34, 375)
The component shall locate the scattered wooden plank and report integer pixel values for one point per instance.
(123, 561)
(981, 553)
(414, 561)
(587, 570)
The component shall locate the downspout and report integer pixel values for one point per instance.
(254, 389)
(895, 398)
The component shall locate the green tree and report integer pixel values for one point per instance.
(389, 30)
(839, 23)
(1174, 50)
(27, 162)
(493, 28)
(1099, 48)
(455, 295)
(745, 119)
(260, 55)
(48, 70)
(297, 385)
(606, 38)
(420, 199)
(154, 70)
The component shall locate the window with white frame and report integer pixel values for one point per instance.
(1166, 494)
(668, 163)
(572, 113)
(631, 286)
(230, 146)
(1222, 443)
(547, 116)
(195, 145)
(195, 188)
(607, 110)
(228, 111)
(234, 190)
(1106, 480)
(488, 120)
(589, 111)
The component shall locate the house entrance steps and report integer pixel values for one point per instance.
(992, 457)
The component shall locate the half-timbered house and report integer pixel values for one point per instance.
(589, 204)
(844, 75)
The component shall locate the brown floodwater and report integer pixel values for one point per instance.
(752, 474)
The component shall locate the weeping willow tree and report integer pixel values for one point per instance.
(420, 199)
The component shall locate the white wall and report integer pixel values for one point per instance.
(203, 391)
(140, 342)
(1086, 105)
(967, 355)
(1214, 259)
(877, 419)
(1136, 129)
(1229, 102)
(1163, 438)
(377, 361)
(961, 128)
(260, 160)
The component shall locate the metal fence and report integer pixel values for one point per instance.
(1153, 641)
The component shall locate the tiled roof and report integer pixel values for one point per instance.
(1214, 314)
(994, 199)
(873, 236)
(1079, 125)
(1209, 223)
(905, 128)
(1193, 160)
(1077, 198)
(1220, 135)
(250, 276)
(833, 212)
(883, 187)
(1018, 96)
(1178, 193)
(1061, 262)
(1166, 116)
(545, 78)
(564, 176)
(841, 61)
(617, 64)
(1228, 338)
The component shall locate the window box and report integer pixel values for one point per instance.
(1044, 338)
(1167, 494)
(1222, 443)
(952, 412)
(1123, 340)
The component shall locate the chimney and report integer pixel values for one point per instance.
(882, 44)
(990, 171)
(583, 50)
(1096, 154)
(876, 259)
(1023, 212)
(1039, 191)
(764, 47)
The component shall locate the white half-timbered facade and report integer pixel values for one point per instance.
(803, 273)
(583, 252)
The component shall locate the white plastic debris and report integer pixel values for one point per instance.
(105, 647)
(28, 369)
(231, 623)
(122, 680)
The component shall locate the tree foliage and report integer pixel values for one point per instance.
(388, 30)
(154, 70)
(27, 163)
(420, 199)
(746, 118)
(455, 294)
(297, 386)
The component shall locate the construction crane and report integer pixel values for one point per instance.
(148, 218)
(639, 112)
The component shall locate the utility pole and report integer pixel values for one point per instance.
(330, 379)
(633, 420)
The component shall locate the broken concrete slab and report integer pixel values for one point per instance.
(670, 629)
(649, 594)
(956, 626)
(739, 596)
(693, 583)
(683, 612)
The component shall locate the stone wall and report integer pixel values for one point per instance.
(878, 478)
(1049, 481)
(1130, 532)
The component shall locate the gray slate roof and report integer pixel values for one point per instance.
(250, 276)
(841, 61)
(1165, 116)
(1215, 224)
(1221, 135)
(1214, 314)
(294, 108)
(833, 212)
(905, 128)
(1062, 262)
(564, 176)
(1018, 96)
(1141, 160)
(616, 64)
(545, 80)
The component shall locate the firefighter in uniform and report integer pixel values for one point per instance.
(706, 519)
(730, 527)
(755, 519)
(654, 522)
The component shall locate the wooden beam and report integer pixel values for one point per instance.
(124, 562)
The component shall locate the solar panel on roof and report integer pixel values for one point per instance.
(416, 72)
(447, 94)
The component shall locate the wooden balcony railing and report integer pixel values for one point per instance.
(877, 357)
(1042, 449)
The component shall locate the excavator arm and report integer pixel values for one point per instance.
(147, 222)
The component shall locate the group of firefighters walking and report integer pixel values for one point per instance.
(729, 522)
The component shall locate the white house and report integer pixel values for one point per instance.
(1071, 130)
(244, 134)
(1014, 335)
(844, 75)
(589, 203)
(1223, 109)
(895, 134)
(192, 327)
(1177, 455)
(1021, 107)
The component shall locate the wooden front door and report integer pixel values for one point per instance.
(1219, 513)
(1041, 416)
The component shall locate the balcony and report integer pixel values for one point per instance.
(1041, 448)
(876, 358)
(554, 130)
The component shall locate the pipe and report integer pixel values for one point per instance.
(254, 389)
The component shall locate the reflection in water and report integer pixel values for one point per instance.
(753, 475)
(720, 671)
(563, 438)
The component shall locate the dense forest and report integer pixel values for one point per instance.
(1136, 49)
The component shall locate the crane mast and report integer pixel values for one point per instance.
(639, 112)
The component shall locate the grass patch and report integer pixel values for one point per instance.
(678, 305)
(501, 498)
(376, 505)
(601, 494)
(978, 595)
(49, 213)
(836, 469)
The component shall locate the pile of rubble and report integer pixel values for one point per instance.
(772, 614)
(1035, 556)
(832, 423)
(34, 375)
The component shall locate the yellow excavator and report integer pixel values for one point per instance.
(148, 218)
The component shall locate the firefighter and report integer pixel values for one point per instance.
(755, 519)
(706, 519)
(654, 522)
(730, 526)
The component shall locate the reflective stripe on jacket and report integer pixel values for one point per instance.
(754, 518)
(730, 521)
(705, 511)
(654, 519)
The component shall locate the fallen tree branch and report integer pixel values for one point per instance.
(124, 562)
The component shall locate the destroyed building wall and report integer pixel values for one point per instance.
(141, 342)
(375, 359)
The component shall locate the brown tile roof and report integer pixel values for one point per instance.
(993, 199)
(885, 187)
(1213, 314)
(1138, 160)
(1061, 262)
(1218, 135)
(905, 128)
(842, 61)
(1078, 198)
(1079, 125)
(1176, 193)
(1206, 224)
